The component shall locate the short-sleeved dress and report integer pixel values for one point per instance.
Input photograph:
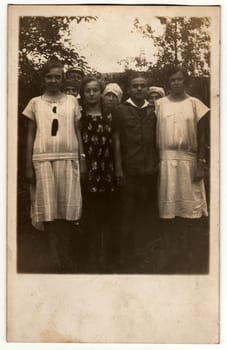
(179, 194)
(57, 193)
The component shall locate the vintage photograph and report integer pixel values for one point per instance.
(116, 112)
(113, 144)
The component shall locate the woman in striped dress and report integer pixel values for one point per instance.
(53, 155)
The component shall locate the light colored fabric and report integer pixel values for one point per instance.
(177, 123)
(57, 193)
(129, 100)
(156, 89)
(55, 156)
(64, 145)
(176, 155)
(179, 194)
(115, 89)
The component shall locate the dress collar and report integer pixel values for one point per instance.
(129, 100)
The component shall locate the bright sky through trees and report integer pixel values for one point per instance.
(108, 40)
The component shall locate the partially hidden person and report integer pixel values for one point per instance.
(112, 96)
(154, 94)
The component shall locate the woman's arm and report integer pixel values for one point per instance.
(118, 159)
(83, 167)
(202, 147)
(29, 172)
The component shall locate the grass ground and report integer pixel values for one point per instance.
(160, 247)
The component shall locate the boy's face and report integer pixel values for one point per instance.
(138, 89)
(75, 75)
(71, 90)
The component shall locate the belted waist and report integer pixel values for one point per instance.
(176, 155)
(54, 156)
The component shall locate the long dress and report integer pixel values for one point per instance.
(100, 186)
(57, 193)
(179, 194)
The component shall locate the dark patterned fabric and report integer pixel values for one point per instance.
(98, 147)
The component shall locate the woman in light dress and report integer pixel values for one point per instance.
(181, 140)
(54, 163)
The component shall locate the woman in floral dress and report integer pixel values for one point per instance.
(98, 152)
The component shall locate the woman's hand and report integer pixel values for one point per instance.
(200, 170)
(30, 175)
(120, 178)
(83, 169)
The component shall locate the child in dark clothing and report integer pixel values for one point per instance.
(136, 160)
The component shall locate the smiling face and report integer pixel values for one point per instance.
(53, 80)
(138, 89)
(176, 82)
(92, 93)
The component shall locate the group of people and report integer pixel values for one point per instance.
(96, 161)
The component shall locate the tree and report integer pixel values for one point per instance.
(45, 37)
(185, 40)
(140, 62)
(42, 38)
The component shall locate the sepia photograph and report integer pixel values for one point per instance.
(113, 181)
(113, 159)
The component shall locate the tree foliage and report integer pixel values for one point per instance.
(45, 37)
(184, 40)
(140, 62)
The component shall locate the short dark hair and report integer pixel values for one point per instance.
(70, 83)
(87, 80)
(135, 75)
(52, 63)
(173, 69)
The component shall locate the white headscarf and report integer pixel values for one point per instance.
(156, 89)
(115, 89)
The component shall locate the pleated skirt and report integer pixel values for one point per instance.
(57, 192)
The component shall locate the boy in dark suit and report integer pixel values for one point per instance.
(136, 160)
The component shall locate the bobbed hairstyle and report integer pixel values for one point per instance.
(173, 69)
(52, 63)
(88, 80)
